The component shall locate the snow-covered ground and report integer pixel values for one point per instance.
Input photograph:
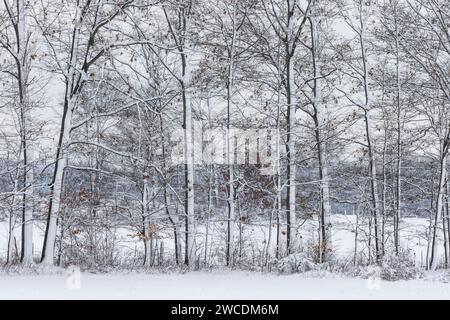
(216, 285)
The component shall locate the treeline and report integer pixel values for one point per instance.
(163, 116)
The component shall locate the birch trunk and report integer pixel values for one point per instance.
(278, 181)
(27, 153)
(290, 135)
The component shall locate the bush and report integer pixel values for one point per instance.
(399, 267)
(392, 267)
(297, 262)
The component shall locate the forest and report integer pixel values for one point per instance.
(259, 135)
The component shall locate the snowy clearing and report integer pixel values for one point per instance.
(209, 286)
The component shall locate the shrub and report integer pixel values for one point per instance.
(296, 262)
(399, 267)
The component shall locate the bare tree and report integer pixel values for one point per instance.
(287, 20)
(15, 39)
(89, 18)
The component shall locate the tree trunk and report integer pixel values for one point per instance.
(369, 139)
(48, 250)
(27, 153)
(230, 164)
(319, 123)
(433, 262)
(373, 187)
(398, 203)
(145, 222)
(189, 164)
(57, 185)
(290, 142)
